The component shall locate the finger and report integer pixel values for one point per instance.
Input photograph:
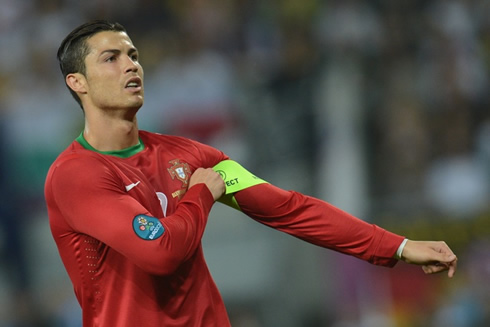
(444, 255)
(452, 268)
(435, 268)
(450, 258)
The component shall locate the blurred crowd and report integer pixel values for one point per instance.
(395, 91)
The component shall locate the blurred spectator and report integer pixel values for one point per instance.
(192, 92)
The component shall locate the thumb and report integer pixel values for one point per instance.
(444, 257)
(442, 261)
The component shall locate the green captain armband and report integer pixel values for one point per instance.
(236, 179)
(235, 176)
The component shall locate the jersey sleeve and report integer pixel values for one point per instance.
(319, 223)
(85, 196)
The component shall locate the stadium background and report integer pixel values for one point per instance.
(379, 107)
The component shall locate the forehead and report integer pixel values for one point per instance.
(108, 40)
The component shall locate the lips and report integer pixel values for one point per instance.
(134, 84)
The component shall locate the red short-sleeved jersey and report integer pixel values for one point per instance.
(129, 232)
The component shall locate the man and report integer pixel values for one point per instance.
(128, 208)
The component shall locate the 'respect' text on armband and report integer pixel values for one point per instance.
(236, 178)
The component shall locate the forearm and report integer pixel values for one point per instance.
(319, 223)
(184, 228)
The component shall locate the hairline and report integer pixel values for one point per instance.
(132, 49)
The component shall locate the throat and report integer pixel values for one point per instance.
(113, 135)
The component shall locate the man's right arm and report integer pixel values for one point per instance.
(96, 204)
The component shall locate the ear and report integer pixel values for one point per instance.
(77, 83)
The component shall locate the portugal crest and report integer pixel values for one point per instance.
(179, 170)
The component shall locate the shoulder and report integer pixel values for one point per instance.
(77, 164)
(78, 175)
(181, 146)
(75, 154)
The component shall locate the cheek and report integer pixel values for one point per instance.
(104, 92)
(103, 86)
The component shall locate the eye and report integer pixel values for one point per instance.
(110, 59)
(134, 57)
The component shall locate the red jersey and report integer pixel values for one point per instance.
(129, 231)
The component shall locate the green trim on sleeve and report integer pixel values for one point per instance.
(236, 179)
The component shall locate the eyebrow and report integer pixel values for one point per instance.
(117, 51)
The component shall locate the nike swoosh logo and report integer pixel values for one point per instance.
(130, 186)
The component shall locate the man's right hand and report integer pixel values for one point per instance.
(211, 179)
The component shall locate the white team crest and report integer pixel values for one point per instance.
(180, 171)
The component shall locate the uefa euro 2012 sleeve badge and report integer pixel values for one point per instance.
(180, 170)
(147, 227)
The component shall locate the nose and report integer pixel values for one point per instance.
(131, 65)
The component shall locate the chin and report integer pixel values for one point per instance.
(136, 103)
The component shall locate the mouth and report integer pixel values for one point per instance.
(134, 84)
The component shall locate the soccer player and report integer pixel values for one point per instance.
(128, 208)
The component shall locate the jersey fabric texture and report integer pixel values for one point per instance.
(129, 230)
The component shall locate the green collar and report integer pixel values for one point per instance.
(124, 153)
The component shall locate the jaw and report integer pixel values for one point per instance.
(136, 94)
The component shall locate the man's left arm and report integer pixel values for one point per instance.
(307, 218)
(320, 223)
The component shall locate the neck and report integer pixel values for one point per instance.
(110, 133)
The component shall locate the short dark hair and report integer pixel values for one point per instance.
(73, 50)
